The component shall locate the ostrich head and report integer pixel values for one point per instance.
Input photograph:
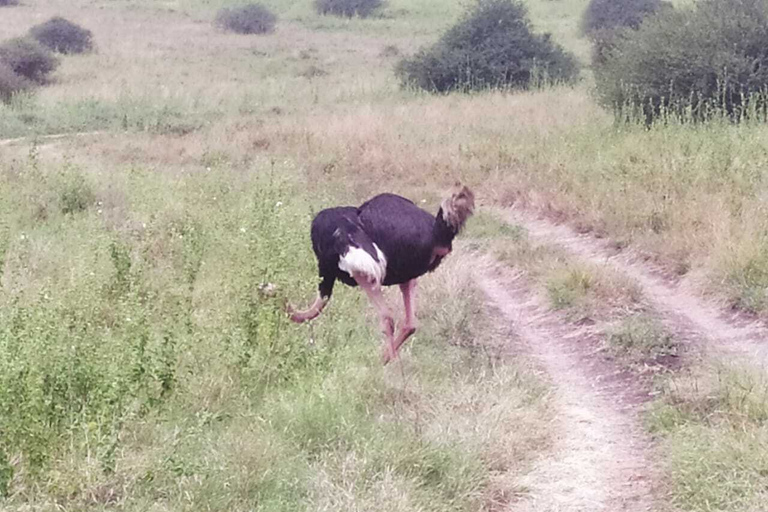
(458, 207)
(454, 212)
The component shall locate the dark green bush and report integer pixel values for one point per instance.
(248, 19)
(11, 83)
(63, 36)
(492, 46)
(708, 59)
(28, 58)
(349, 8)
(602, 15)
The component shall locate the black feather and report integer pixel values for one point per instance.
(405, 234)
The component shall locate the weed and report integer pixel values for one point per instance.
(569, 287)
(75, 193)
(641, 339)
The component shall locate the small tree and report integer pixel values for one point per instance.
(11, 83)
(602, 15)
(706, 60)
(63, 36)
(248, 19)
(348, 8)
(492, 46)
(28, 58)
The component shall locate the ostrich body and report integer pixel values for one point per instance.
(387, 241)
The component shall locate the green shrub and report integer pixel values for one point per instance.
(11, 83)
(63, 36)
(349, 8)
(75, 194)
(706, 60)
(602, 15)
(492, 46)
(248, 19)
(28, 58)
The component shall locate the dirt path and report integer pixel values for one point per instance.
(684, 314)
(598, 462)
(44, 139)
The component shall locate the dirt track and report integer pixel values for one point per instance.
(685, 315)
(599, 459)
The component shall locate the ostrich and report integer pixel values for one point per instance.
(386, 241)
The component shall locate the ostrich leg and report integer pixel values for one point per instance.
(376, 297)
(409, 326)
(314, 310)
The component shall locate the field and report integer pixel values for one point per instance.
(594, 342)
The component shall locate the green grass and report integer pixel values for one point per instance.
(144, 366)
(714, 439)
(143, 362)
(640, 339)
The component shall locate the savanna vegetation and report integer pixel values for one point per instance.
(145, 358)
(63, 36)
(247, 19)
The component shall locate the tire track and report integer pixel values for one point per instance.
(46, 139)
(683, 313)
(599, 461)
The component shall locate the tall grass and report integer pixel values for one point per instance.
(144, 359)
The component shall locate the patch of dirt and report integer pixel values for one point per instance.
(686, 315)
(47, 139)
(599, 459)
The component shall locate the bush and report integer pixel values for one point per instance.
(11, 83)
(63, 36)
(492, 46)
(248, 19)
(602, 15)
(28, 58)
(707, 60)
(349, 8)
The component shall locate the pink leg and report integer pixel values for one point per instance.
(409, 327)
(377, 299)
(314, 310)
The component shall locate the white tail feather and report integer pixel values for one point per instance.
(357, 261)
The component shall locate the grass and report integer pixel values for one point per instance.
(641, 340)
(586, 292)
(143, 363)
(713, 433)
(153, 370)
